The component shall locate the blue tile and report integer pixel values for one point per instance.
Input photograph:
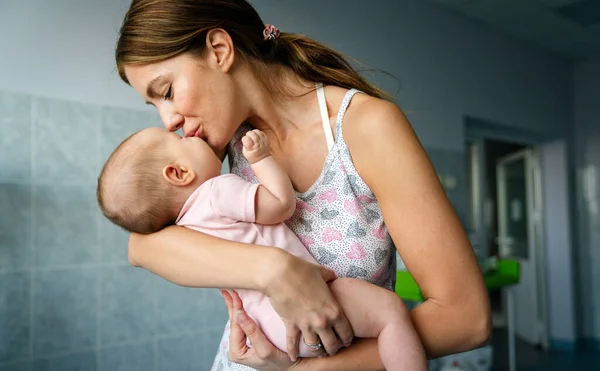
(181, 353)
(113, 242)
(64, 141)
(209, 343)
(65, 225)
(15, 226)
(138, 357)
(213, 310)
(16, 366)
(179, 308)
(127, 311)
(85, 361)
(65, 311)
(14, 316)
(116, 124)
(15, 140)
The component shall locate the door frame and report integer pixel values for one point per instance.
(535, 230)
(477, 132)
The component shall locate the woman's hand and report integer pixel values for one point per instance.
(263, 355)
(299, 293)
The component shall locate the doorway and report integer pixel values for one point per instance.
(506, 211)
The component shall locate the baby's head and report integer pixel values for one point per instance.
(149, 176)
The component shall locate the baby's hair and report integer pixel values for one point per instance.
(131, 191)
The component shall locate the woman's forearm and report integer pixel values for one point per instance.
(190, 258)
(442, 330)
(363, 355)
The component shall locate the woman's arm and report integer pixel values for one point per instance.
(455, 316)
(193, 259)
(296, 288)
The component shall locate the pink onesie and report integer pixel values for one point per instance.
(224, 207)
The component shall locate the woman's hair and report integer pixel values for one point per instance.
(155, 30)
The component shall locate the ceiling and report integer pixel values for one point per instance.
(568, 27)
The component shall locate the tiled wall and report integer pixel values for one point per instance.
(68, 298)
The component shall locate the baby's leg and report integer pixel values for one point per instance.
(375, 312)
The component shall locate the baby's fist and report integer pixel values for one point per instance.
(256, 146)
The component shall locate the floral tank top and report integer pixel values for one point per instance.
(338, 219)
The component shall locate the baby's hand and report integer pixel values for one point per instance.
(256, 146)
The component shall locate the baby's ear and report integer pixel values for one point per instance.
(178, 175)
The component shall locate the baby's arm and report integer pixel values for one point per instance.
(275, 198)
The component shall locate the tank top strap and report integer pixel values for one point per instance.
(340, 116)
(324, 115)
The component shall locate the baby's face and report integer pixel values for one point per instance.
(192, 152)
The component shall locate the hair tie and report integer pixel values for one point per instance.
(270, 32)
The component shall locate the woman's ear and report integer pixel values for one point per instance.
(220, 52)
(178, 175)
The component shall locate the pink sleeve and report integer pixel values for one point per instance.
(234, 198)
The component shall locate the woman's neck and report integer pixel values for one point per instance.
(281, 114)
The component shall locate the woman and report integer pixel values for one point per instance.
(213, 69)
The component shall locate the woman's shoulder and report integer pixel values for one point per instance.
(369, 121)
(375, 129)
(366, 113)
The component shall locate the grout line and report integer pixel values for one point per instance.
(107, 347)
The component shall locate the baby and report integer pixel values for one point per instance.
(156, 178)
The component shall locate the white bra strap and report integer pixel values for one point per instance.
(324, 115)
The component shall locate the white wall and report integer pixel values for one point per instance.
(557, 242)
(587, 144)
(447, 67)
(63, 49)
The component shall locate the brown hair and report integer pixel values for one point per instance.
(131, 191)
(155, 30)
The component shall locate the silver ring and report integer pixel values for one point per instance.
(315, 346)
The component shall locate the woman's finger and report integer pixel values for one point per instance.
(330, 341)
(344, 331)
(228, 302)
(237, 338)
(309, 338)
(261, 346)
(293, 336)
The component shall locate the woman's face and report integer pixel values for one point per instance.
(194, 94)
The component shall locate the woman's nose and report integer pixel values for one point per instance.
(173, 121)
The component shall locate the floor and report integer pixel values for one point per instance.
(532, 359)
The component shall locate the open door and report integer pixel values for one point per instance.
(519, 236)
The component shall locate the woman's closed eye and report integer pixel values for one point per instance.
(169, 94)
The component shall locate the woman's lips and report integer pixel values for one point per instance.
(197, 133)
